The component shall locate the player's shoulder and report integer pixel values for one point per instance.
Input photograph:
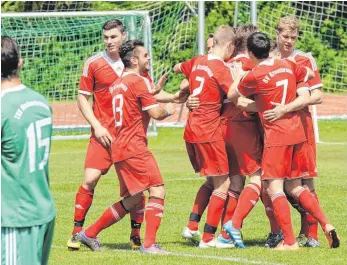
(304, 58)
(216, 63)
(136, 81)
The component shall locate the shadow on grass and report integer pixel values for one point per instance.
(248, 243)
(124, 246)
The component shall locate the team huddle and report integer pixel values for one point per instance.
(248, 100)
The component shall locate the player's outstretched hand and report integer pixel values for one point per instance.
(170, 108)
(193, 102)
(276, 113)
(103, 136)
(159, 86)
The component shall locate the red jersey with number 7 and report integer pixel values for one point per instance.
(131, 98)
(275, 81)
(209, 80)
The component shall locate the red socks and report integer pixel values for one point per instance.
(282, 213)
(137, 216)
(83, 201)
(312, 222)
(248, 198)
(201, 201)
(231, 203)
(310, 204)
(214, 214)
(154, 214)
(275, 228)
(112, 215)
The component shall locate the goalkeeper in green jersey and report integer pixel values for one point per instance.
(27, 206)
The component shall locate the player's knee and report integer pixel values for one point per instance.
(91, 178)
(237, 183)
(157, 191)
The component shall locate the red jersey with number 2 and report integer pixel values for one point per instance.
(209, 80)
(131, 98)
(275, 81)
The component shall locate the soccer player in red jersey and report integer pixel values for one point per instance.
(209, 79)
(285, 142)
(287, 32)
(99, 72)
(133, 105)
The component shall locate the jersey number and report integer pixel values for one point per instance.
(117, 103)
(198, 90)
(283, 83)
(35, 136)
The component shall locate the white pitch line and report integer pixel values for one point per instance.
(328, 143)
(186, 255)
(169, 180)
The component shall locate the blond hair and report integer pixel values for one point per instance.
(223, 35)
(288, 22)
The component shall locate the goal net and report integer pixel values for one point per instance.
(55, 41)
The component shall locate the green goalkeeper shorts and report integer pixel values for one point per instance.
(26, 245)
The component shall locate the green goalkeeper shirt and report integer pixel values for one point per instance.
(26, 130)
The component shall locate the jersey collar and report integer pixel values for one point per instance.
(117, 66)
(13, 89)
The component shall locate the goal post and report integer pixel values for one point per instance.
(54, 46)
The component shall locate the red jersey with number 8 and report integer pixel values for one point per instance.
(131, 98)
(209, 80)
(275, 81)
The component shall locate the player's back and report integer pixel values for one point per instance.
(99, 72)
(275, 81)
(209, 80)
(131, 98)
(26, 127)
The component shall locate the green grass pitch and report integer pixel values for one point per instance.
(66, 169)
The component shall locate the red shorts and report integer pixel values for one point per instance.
(209, 159)
(98, 156)
(285, 162)
(244, 147)
(311, 160)
(137, 174)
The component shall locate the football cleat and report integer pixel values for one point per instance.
(194, 236)
(331, 235)
(282, 247)
(73, 243)
(234, 233)
(90, 242)
(273, 239)
(135, 242)
(312, 243)
(302, 240)
(209, 244)
(154, 249)
(223, 242)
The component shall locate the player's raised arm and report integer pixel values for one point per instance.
(158, 113)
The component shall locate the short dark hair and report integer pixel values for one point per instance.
(113, 24)
(128, 50)
(9, 57)
(242, 34)
(259, 44)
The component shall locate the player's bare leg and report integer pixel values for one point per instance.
(153, 216)
(191, 231)
(215, 210)
(282, 213)
(83, 201)
(248, 198)
(310, 205)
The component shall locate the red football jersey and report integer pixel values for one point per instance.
(229, 111)
(209, 80)
(275, 81)
(99, 72)
(131, 98)
(306, 59)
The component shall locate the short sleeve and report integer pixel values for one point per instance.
(87, 80)
(247, 86)
(300, 72)
(302, 86)
(315, 82)
(144, 95)
(187, 66)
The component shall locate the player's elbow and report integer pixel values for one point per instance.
(318, 96)
(157, 113)
(177, 68)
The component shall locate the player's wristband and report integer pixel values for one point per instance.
(168, 113)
